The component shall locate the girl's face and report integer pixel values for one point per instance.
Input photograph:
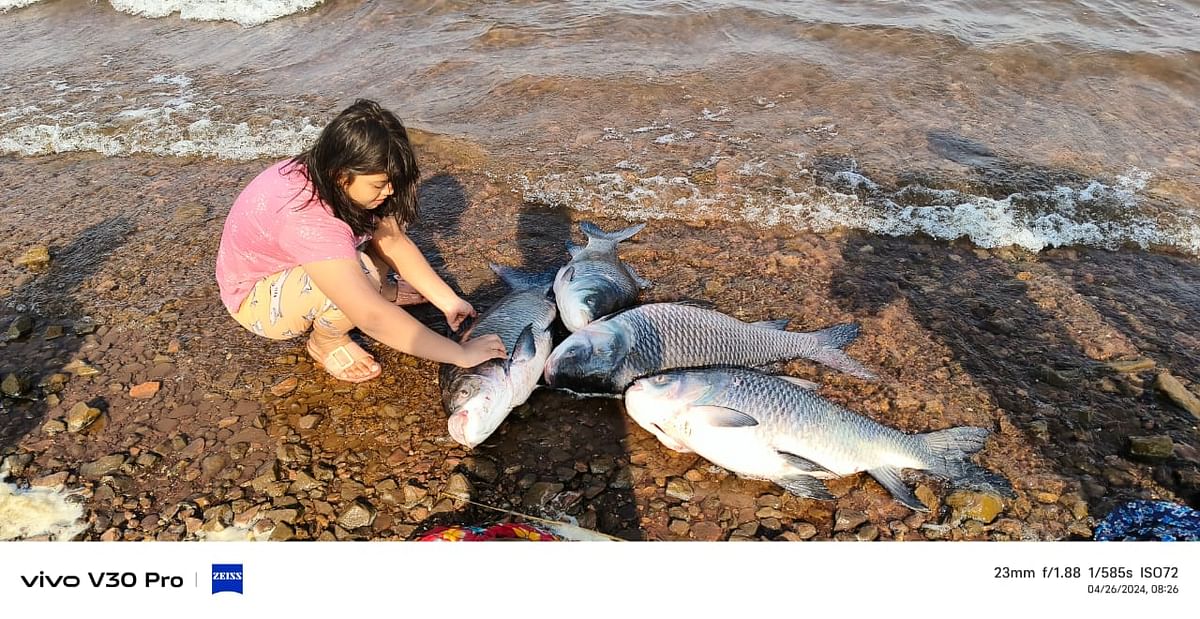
(368, 190)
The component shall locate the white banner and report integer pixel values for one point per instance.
(685, 579)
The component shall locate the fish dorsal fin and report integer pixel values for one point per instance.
(802, 463)
(697, 303)
(523, 280)
(721, 417)
(807, 487)
(778, 325)
(595, 233)
(799, 382)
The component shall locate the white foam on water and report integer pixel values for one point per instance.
(34, 512)
(173, 119)
(15, 4)
(1034, 221)
(244, 12)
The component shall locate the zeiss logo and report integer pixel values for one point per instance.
(227, 577)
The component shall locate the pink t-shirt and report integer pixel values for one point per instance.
(277, 224)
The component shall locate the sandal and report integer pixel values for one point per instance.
(342, 358)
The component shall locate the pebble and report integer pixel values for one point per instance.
(1151, 447)
(81, 416)
(20, 327)
(144, 391)
(848, 519)
(1173, 389)
(358, 514)
(680, 489)
(13, 385)
(981, 506)
(707, 531)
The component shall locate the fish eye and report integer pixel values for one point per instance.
(659, 380)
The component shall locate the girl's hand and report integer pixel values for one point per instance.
(458, 311)
(483, 348)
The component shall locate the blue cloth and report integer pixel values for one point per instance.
(1150, 520)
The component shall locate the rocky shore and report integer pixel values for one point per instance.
(125, 381)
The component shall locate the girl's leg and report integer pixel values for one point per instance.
(288, 304)
(392, 287)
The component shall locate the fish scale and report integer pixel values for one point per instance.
(813, 425)
(768, 427)
(671, 335)
(512, 314)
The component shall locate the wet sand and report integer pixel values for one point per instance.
(245, 431)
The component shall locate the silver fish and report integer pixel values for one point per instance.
(768, 427)
(479, 398)
(595, 282)
(610, 353)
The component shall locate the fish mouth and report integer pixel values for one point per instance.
(457, 426)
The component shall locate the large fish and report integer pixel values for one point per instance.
(479, 398)
(770, 427)
(610, 353)
(595, 282)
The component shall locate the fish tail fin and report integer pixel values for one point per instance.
(523, 280)
(950, 450)
(594, 232)
(830, 343)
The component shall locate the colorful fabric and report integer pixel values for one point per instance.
(504, 531)
(275, 225)
(1150, 520)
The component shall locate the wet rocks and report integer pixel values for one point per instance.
(1151, 447)
(1131, 366)
(144, 391)
(981, 506)
(13, 385)
(36, 258)
(80, 368)
(539, 494)
(20, 327)
(103, 466)
(1173, 389)
(358, 514)
(848, 519)
(81, 416)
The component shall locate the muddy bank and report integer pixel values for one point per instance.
(200, 426)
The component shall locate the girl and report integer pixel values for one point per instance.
(290, 260)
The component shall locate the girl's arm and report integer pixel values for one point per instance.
(406, 259)
(344, 282)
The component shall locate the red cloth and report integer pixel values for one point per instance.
(503, 531)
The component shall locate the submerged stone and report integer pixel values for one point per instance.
(1154, 447)
(20, 327)
(1173, 389)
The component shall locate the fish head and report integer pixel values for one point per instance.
(658, 401)
(588, 357)
(582, 299)
(477, 402)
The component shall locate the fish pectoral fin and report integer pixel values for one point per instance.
(721, 417)
(889, 478)
(642, 283)
(525, 348)
(799, 382)
(807, 487)
(802, 463)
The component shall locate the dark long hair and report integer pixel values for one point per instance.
(363, 139)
